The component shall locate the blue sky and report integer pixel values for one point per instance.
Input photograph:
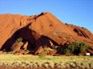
(78, 12)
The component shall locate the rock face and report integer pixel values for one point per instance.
(38, 32)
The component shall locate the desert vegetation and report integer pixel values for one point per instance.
(65, 57)
(74, 48)
(10, 61)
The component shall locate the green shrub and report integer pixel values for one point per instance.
(75, 48)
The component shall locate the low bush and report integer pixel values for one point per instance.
(75, 48)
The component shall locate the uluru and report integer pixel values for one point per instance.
(33, 34)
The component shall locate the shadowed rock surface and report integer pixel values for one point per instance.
(38, 32)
